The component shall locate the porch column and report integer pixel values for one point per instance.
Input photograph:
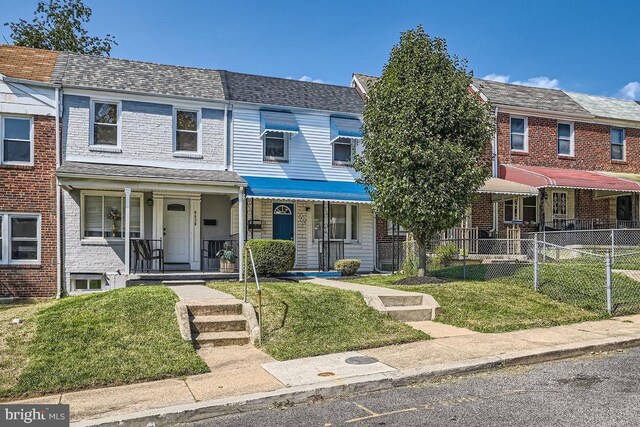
(127, 234)
(241, 231)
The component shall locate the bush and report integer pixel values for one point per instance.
(443, 255)
(410, 264)
(272, 256)
(348, 267)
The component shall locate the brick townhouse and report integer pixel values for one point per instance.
(28, 242)
(560, 161)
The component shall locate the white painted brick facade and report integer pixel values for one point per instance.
(146, 135)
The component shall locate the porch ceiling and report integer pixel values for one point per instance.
(541, 177)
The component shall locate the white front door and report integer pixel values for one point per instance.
(176, 230)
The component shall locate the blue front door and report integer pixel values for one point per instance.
(283, 221)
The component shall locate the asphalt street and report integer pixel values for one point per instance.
(600, 389)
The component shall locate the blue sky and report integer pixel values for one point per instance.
(586, 46)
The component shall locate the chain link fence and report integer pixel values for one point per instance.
(597, 270)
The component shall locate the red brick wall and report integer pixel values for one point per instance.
(588, 208)
(31, 189)
(482, 212)
(592, 146)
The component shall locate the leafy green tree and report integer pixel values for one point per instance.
(59, 25)
(425, 141)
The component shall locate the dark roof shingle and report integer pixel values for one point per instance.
(139, 77)
(148, 172)
(291, 93)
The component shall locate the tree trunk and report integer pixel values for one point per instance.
(422, 256)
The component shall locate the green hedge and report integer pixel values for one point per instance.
(272, 256)
(348, 267)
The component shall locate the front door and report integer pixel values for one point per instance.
(623, 208)
(176, 231)
(283, 221)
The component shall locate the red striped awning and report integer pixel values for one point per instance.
(540, 177)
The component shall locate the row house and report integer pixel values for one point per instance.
(560, 161)
(29, 258)
(162, 166)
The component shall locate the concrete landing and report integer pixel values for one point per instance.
(198, 293)
(312, 370)
(401, 305)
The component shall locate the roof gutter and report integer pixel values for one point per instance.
(145, 179)
(28, 82)
(543, 113)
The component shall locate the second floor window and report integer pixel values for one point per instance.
(105, 123)
(518, 134)
(186, 131)
(276, 146)
(617, 144)
(17, 144)
(343, 151)
(565, 139)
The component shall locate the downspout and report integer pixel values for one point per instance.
(494, 171)
(230, 160)
(226, 137)
(58, 203)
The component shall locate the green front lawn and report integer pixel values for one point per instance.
(491, 306)
(116, 337)
(302, 319)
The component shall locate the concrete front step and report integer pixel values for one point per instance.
(412, 313)
(400, 300)
(219, 339)
(219, 308)
(235, 322)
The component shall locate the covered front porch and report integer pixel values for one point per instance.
(127, 223)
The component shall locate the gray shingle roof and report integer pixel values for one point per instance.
(529, 97)
(612, 108)
(88, 71)
(145, 172)
(291, 93)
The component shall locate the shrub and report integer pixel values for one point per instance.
(272, 256)
(443, 255)
(348, 267)
(410, 264)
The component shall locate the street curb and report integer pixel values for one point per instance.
(198, 411)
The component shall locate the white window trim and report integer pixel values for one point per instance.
(88, 277)
(516, 210)
(92, 114)
(526, 134)
(348, 240)
(198, 111)
(333, 152)
(6, 238)
(571, 139)
(109, 194)
(31, 140)
(624, 144)
(287, 139)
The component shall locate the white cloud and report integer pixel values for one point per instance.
(631, 90)
(497, 78)
(541, 81)
(310, 79)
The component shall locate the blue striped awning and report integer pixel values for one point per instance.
(278, 121)
(306, 189)
(342, 127)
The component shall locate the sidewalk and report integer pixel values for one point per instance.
(244, 377)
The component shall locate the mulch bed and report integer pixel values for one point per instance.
(418, 280)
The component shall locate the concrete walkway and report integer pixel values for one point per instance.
(632, 274)
(198, 293)
(238, 371)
